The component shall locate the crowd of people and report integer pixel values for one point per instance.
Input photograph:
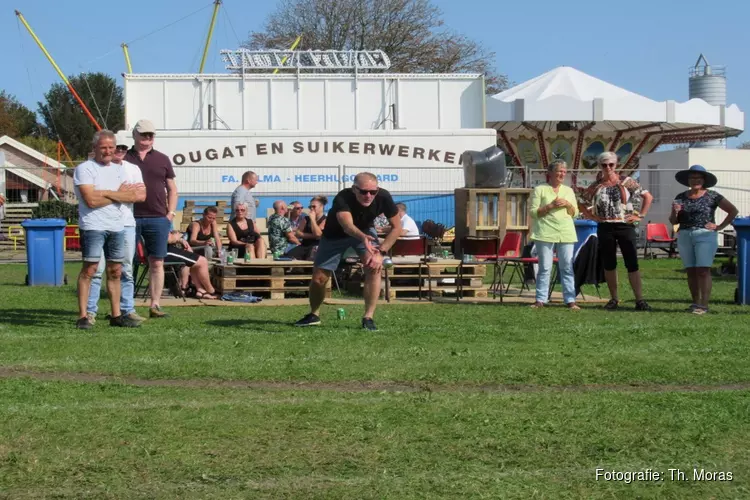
(617, 203)
(128, 197)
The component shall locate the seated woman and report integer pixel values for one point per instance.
(243, 236)
(196, 266)
(310, 230)
(203, 234)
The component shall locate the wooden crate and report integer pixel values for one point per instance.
(192, 212)
(441, 278)
(490, 213)
(266, 278)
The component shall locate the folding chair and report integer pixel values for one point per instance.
(142, 260)
(658, 233)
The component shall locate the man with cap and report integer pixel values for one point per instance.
(153, 217)
(132, 175)
(697, 239)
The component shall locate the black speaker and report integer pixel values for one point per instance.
(484, 169)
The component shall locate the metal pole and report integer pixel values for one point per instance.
(127, 57)
(294, 46)
(59, 71)
(217, 3)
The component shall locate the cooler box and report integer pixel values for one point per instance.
(584, 229)
(742, 227)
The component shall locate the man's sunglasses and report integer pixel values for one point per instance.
(608, 164)
(147, 135)
(373, 192)
(122, 148)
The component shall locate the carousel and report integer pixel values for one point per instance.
(569, 115)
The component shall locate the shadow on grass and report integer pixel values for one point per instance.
(36, 316)
(236, 323)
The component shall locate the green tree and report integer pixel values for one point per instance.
(411, 32)
(66, 120)
(16, 120)
(44, 145)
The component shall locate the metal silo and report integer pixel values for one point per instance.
(710, 84)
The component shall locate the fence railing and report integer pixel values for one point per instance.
(427, 191)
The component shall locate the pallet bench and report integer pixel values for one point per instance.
(411, 278)
(266, 278)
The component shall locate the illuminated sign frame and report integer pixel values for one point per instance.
(242, 59)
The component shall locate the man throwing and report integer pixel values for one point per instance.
(350, 225)
(101, 188)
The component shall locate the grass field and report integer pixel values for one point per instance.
(446, 401)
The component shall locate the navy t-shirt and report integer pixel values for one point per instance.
(699, 211)
(363, 217)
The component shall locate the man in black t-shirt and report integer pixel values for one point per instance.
(350, 225)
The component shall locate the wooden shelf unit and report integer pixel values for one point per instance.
(484, 213)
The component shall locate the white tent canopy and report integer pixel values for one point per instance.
(584, 102)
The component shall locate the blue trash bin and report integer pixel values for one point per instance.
(44, 251)
(742, 227)
(584, 229)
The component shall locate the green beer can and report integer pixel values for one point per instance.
(341, 313)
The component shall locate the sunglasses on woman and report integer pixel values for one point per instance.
(608, 164)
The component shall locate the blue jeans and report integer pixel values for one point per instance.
(127, 303)
(544, 251)
(697, 246)
(155, 232)
(102, 244)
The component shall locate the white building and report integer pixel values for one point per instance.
(730, 166)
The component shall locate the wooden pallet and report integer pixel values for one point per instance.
(192, 212)
(441, 277)
(274, 279)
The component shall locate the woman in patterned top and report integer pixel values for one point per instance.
(697, 240)
(610, 202)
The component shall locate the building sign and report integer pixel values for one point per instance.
(241, 59)
(230, 152)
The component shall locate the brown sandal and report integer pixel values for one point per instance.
(537, 305)
(573, 306)
(206, 296)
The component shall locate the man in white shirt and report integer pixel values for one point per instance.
(409, 229)
(132, 175)
(101, 189)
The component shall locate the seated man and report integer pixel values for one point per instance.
(280, 231)
(196, 266)
(409, 229)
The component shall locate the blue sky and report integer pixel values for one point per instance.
(643, 46)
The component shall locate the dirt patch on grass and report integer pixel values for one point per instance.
(357, 386)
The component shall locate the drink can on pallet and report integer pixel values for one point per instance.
(230, 258)
(341, 313)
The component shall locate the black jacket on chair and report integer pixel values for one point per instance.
(587, 267)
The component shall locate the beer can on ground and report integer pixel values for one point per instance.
(341, 313)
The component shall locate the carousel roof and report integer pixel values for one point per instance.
(566, 99)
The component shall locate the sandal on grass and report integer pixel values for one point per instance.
(537, 305)
(206, 296)
(573, 306)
